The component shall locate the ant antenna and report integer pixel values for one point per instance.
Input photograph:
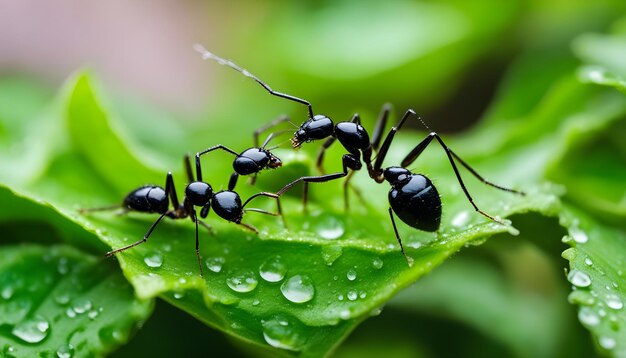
(208, 55)
(272, 136)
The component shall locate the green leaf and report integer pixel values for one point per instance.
(56, 300)
(597, 259)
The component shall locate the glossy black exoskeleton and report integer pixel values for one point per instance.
(155, 199)
(413, 197)
(251, 160)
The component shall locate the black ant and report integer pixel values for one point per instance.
(155, 199)
(413, 197)
(251, 160)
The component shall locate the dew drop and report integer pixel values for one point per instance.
(65, 351)
(62, 299)
(607, 343)
(244, 282)
(82, 305)
(362, 294)
(330, 228)
(153, 259)
(70, 312)
(352, 295)
(588, 262)
(62, 267)
(279, 332)
(331, 253)
(461, 219)
(93, 314)
(273, 270)
(7, 292)
(298, 289)
(256, 302)
(377, 263)
(344, 314)
(179, 295)
(579, 278)
(32, 330)
(215, 263)
(578, 235)
(588, 317)
(340, 297)
(351, 275)
(613, 302)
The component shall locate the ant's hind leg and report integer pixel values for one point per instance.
(145, 237)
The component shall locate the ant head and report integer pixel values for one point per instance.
(199, 193)
(274, 162)
(396, 175)
(318, 127)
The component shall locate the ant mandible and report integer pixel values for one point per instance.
(155, 199)
(412, 197)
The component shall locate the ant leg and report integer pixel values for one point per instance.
(272, 124)
(381, 123)
(322, 151)
(232, 182)
(195, 219)
(451, 156)
(187, 165)
(170, 190)
(305, 197)
(395, 229)
(269, 195)
(207, 226)
(376, 172)
(348, 163)
(199, 154)
(249, 227)
(253, 179)
(103, 208)
(208, 55)
(145, 237)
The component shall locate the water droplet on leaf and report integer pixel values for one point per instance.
(244, 282)
(215, 263)
(282, 333)
(32, 330)
(298, 289)
(579, 278)
(273, 270)
(153, 259)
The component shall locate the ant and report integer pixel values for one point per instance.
(412, 197)
(155, 199)
(251, 160)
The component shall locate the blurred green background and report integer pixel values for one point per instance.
(448, 60)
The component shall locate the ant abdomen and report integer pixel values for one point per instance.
(227, 205)
(147, 199)
(415, 200)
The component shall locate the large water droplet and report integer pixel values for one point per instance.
(282, 333)
(351, 275)
(331, 253)
(62, 299)
(578, 235)
(330, 228)
(244, 282)
(215, 263)
(65, 351)
(352, 295)
(579, 278)
(273, 270)
(607, 342)
(32, 330)
(298, 289)
(153, 259)
(377, 263)
(588, 316)
(614, 302)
